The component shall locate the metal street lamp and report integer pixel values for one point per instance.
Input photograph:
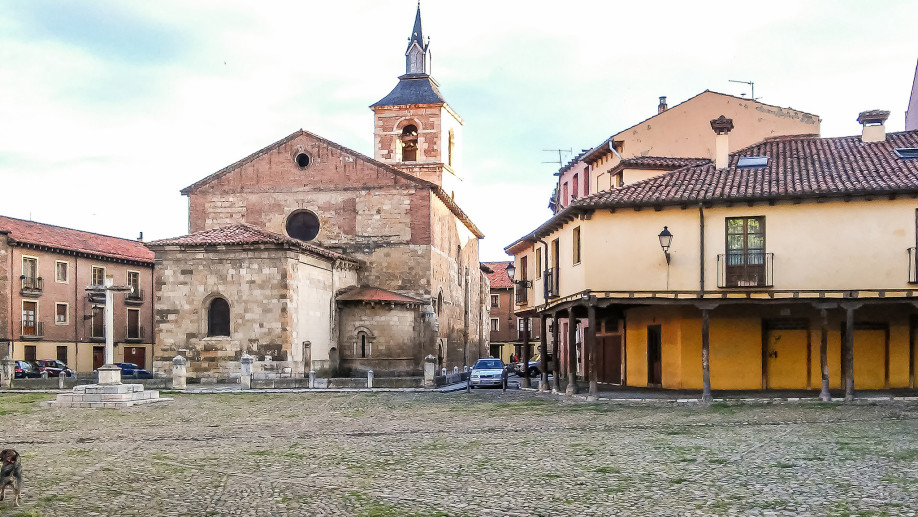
(666, 239)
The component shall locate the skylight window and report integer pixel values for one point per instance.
(907, 153)
(751, 162)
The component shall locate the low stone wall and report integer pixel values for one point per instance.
(70, 382)
(337, 382)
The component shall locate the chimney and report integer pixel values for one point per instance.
(874, 125)
(662, 107)
(722, 127)
(140, 237)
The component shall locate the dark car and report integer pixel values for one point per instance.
(133, 371)
(54, 367)
(25, 369)
(533, 369)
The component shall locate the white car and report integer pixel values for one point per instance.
(487, 372)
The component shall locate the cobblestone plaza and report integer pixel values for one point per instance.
(484, 453)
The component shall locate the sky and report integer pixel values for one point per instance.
(109, 107)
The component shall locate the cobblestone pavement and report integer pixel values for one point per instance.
(485, 453)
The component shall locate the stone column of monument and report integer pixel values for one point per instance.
(109, 373)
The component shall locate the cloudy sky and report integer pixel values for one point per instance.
(109, 108)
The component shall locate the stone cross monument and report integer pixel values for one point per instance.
(109, 373)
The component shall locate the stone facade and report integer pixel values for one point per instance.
(280, 304)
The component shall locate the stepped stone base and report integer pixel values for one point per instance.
(106, 396)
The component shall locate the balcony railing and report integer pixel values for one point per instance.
(912, 266)
(551, 284)
(134, 298)
(137, 335)
(32, 329)
(96, 297)
(751, 269)
(31, 285)
(522, 294)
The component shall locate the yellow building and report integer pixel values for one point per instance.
(789, 264)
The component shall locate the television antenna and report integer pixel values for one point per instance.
(560, 162)
(751, 85)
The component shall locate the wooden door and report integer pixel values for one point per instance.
(654, 355)
(136, 355)
(786, 358)
(609, 359)
(98, 356)
(29, 317)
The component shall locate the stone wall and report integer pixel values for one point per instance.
(255, 282)
(394, 343)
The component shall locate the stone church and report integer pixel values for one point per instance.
(312, 256)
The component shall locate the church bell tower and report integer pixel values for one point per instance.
(414, 129)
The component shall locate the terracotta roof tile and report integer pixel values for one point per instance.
(39, 234)
(664, 162)
(243, 234)
(499, 278)
(803, 167)
(373, 294)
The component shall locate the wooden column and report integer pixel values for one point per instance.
(706, 351)
(571, 353)
(848, 352)
(543, 353)
(705, 358)
(590, 350)
(526, 355)
(555, 356)
(824, 355)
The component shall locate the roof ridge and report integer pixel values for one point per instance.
(68, 229)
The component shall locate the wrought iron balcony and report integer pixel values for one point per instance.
(134, 297)
(551, 284)
(750, 269)
(137, 334)
(522, 293)
(32, 330)
(31, 286)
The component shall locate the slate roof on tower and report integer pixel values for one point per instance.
(412, 89)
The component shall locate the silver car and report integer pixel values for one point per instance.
(487, 372)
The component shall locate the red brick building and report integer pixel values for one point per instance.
(506, 328)
(321, 258)
(45, 311)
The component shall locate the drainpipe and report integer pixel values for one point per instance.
(701, 247)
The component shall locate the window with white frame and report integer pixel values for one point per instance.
(61, 271)
(495, 324)
(98, 275)
(61, 313)
(495, 300)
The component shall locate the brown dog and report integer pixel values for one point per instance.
(10, 474)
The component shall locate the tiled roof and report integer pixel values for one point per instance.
(499, 278)
(802, 167)
(662, 162)
(46, 235)
(373, 294)
(243, 234)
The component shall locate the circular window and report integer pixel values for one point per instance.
(302, 160)
(303, 225)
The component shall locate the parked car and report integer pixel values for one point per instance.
(25, 369)
(534, 367)
(54, 367)
(133, 371)
(487, 372)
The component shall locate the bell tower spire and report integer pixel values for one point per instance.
(416, 54)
